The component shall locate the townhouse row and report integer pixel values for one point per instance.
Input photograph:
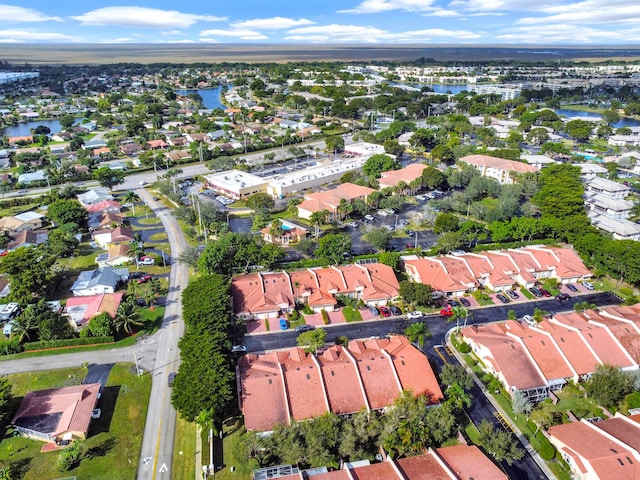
(537, 359)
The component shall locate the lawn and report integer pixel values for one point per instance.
(113, 447)
(184, 450)
(351, 314)
(84, 260)
(570, 398)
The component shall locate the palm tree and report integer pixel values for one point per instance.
(417, 332)
(415, 184)
(276, 230)
(127, 316)
(317, 219)
(458, 313)
(137, 249)
(458, 396)
(23, 326)
(131, 197)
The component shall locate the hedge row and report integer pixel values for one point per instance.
(9, 347)
(71, 342)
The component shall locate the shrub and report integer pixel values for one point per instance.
(463, 347)
(633, 400)
(10, 346)
(68, 457)
(342, 340)
(547, 451)
(325, 316)
(293, 316)
(70, 342)
(307, 310)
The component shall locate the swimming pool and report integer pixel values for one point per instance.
(590, 157)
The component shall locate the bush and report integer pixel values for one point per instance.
(342, 340)
(307, 310)
(463, 347)
(68, 457)
(8, 347)
(71, 342)
(633, 400)
(547, 451)
(293, 316)
(325, 316)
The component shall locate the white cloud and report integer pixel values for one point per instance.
(143, 17)
(233, 33)
(359, 34)
(24, 36)
(587, 13)
(172, 32)
(116, 40)
(274, 23)
(13, 14)
(377, 6)
(555, 34)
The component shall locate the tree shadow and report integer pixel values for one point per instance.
(100, 450)
(107, 406)
(19, 468)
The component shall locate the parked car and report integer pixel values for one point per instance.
(284, 325)
(395, 310)
(562, 296)
(544, 292)
(374, 310)
(304, 328)
(588, 285)
(502, 298)
(422, 198)
(465, 302)
(453, 303)
(145, 278)
(414, 315)
(137, 274)
(572, 287)
(171, 378)
(513, 294)
(352, 224)
(446, 311)
(238, 348)
(535, 291)
(411, 233)
(146, 261)
(369, 218)
(529, 320)
(385, 311)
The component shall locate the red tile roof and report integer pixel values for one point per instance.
(330, 199)
(375, 471)
(406, 174)
(368, 374)
(95, 304)
(573, 347)
(75, 405)
(499, 163)
(467, 461)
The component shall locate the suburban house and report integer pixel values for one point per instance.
(600, 450)
(105, 220)
(498, 168)
(28, 238)
(281, 386)
(57, 414)
(32, 177)
(80, 310)
(611, 207)
(108, 238)
(102, 280)
(22, 222)
(568, 346)
(407, 175)
(103, 206)
(608, 188)
(268, 295)
(115, 256)
(329, 200)
(289, 233)
(496, 270)
(620, 229)
(94, 196)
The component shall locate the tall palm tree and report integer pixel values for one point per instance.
(127, 316)
(317, 219)
(458, 396)
(417, 332)
(137, 249)
(460, 313)
(131, 197)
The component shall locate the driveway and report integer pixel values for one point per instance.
(98, 373)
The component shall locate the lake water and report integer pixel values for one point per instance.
(210, 96)
(623, 122)
(24, 129)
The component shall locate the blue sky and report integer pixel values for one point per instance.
(523, 22)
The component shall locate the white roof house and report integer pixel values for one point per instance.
(606, 187)
(236, 183)
(620, 229)
(605, 205)
(94, 196)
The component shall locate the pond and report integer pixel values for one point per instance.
(210, 96)
(24, 129)
(623, 122)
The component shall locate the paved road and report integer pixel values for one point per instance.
(157, 442)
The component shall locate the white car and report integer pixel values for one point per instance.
(369, 218)
(352, 224)
(414, 315)
(146, 261)
(238, 348)
(588, 286)
(529, 320)
(96, 413)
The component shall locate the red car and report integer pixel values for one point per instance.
(385, 311)
(446, 311)
(144, 279)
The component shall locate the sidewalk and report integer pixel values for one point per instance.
(530, 450)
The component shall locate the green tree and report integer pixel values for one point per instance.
(317, 219)
(456, 374)
(521, 404)
(417, 332)
(5, 401)
(334, 143)
(100, 326)
(67, 211)
(66, 121)
(69, 456)
(127, 317)
(416, 293)
(189, 256)
(261, 202)
(109, 178)
(313, 339)
(608, 385)
(62, 241)
(131, 198)
(446, 222)
(376, 164)
(50, 324)
(378, 237)
(499, 443)
(458, 396)
(29, 271)
(579, 130)
(334, 247)
(449, 241)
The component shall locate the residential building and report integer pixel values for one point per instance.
(329, 200)
(277, 387)
(80, 310)
(57, 414)
(28, 238)
(289, 233)
(27, 221)
(498, 168)
(565, 347)
(109, 238)
(116, 256)
(608, 206)
(605, 450)
(268, 295)
(496, 270)
(538, 161)
(33, 177)
(236, 183)
(407, 175)
(94, 196)
(608, 188)
(105, 220)
(103, 206)
(102, 280)
(619, 228)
